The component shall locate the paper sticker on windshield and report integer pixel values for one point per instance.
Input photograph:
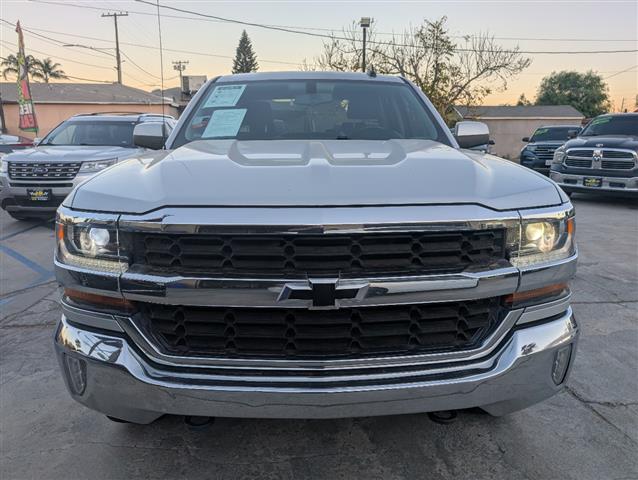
(598, 121)
(224, 123)
(225, 96)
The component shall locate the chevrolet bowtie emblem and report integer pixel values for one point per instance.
(323, 293)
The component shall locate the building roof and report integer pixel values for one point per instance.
(521, 112)
(95, 93)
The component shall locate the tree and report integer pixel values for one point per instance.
(245, 59)
(46, 69)
(449, 74)
(10, 65)
(523, 101)
(586, 92)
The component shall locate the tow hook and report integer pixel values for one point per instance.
(444, 417)
(198, 422)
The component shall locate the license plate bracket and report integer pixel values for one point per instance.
(592, 182)
(39, 194)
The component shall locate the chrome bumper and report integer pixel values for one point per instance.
(122, 381)
(9, 192)
(609, 184)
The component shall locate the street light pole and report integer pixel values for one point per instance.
(365, 24)
(117, 42)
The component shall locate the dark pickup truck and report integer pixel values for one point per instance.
(540, 148)
(603, 158)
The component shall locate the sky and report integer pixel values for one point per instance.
(209, 46)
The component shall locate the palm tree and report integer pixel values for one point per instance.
(45, 69)
(10, 65)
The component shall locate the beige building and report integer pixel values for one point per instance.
(55, 102)
(508, 125)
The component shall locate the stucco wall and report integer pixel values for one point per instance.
(507, 133)
(50, 115)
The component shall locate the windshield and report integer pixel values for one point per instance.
(546, 134)
(117, 134)
(310, 109)
(612, 125)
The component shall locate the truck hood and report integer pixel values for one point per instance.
(69, 153)
(313, 173)
(609, 141)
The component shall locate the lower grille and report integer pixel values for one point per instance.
(43, 171)
(297, 333)
(55, 201)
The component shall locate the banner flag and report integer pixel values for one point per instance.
(27, 121)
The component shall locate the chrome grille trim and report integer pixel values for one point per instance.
(601, 158)
(43, 170)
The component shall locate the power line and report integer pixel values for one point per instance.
(190, 52)
(320, 35)
(67, 76)
(87, 79)
(326, 29)
(140, 68)
(14, 45)
(61, 43)
(622, 71)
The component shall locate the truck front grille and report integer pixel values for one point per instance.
(298, 333)
(344, 254)
(605, 159)
(545, 152)
(43, 171)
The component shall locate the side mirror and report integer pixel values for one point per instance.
(470, 134)
(525, 139)
(572, 133)
(151, 135)
(36, 141)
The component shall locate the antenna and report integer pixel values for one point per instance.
(159, 29)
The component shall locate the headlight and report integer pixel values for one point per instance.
(4, 165)
(90, 243)
(545, 239)
(559, 155)
(92, 167)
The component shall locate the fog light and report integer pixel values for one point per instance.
(76, 372)
(561, 362)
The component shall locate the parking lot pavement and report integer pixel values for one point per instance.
(590, 431)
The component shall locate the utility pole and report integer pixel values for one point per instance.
(365, 24)
(180, 66)
(117, 42)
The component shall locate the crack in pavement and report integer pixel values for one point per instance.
(588, 405)
(28, 325)
(24, 311)
(26, 289)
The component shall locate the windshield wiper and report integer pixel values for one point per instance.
(343, 137)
